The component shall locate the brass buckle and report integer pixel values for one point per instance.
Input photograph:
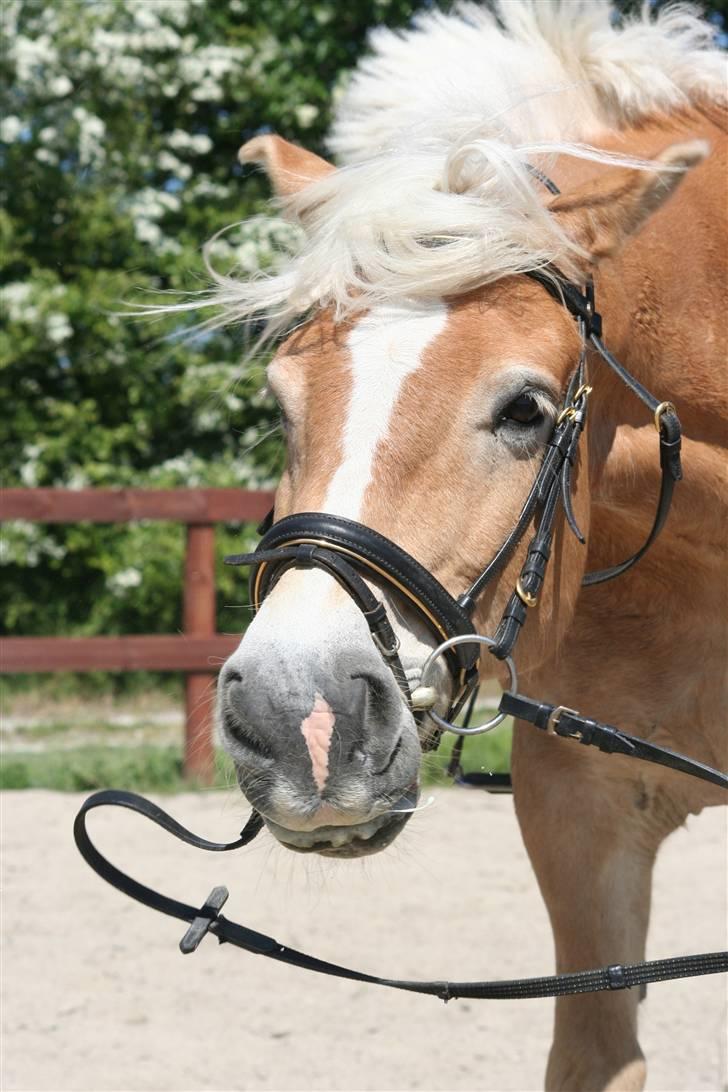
(664, 407)
(525, 596)
(571, 411)
(567, 411)
(555, 717)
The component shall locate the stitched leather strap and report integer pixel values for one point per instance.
(207, 918)
(365, 549)
(308, 555)
(569, 724)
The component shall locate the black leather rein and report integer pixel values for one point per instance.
(207, 918)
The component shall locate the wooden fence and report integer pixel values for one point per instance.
(198, 649)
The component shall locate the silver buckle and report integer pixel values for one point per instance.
(388, 653)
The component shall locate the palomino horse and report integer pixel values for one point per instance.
(419, 386)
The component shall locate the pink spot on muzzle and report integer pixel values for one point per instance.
(316, 730)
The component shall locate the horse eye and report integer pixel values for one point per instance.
(524, 410)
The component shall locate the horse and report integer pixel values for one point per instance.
(421, 367)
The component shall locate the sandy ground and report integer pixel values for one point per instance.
(98, 997)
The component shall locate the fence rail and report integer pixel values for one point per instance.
(199, 650)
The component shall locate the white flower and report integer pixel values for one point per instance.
(32, 54)
(206, 91)
(208, 419)
(45, 155)
(176, 11)
(59, 86)
(169, 246)
(168, 162)
(125, 69)
(203, 187)
(201, 143)
(58, 328)
(29, 469)
(147, 232)
(306, 114)
(198, 143)
(15, 293)
(48, 134)
(127, 578)
(10, 128)
(15, 299)
(219, 248)
(90, 136)
(145, 16)
(169, 201)
(77, 479)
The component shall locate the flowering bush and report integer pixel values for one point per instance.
(118, 140)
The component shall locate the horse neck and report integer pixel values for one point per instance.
(663, 299)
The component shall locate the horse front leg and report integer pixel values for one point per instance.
(592, 842)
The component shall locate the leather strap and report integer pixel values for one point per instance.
(365, 549)
(306, 555)
(670, 465)
(581, 306)
(553, 486)
(569, 724)
(207, 918)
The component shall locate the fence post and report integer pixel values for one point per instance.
(199, 621)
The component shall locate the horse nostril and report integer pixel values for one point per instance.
(242, 734)
(233, 677)
(378, 696)
(390, 761)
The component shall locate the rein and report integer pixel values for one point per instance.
(208, 919)
(349, 551)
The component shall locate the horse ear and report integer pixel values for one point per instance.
(602, 217)
(289, 167)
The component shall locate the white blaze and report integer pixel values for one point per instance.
(385, 346)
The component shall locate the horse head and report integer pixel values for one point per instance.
(424, 418)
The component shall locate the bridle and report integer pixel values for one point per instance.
(350, 551)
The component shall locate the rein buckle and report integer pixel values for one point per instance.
(552, 723)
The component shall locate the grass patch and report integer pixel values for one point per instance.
(43, 730)
(144, 768)
(488, 753)
(48, 729)
(156, 767)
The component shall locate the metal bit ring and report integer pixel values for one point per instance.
(463, 639)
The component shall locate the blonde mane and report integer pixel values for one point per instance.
(437, 137)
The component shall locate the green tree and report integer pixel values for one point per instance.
(120, 126)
